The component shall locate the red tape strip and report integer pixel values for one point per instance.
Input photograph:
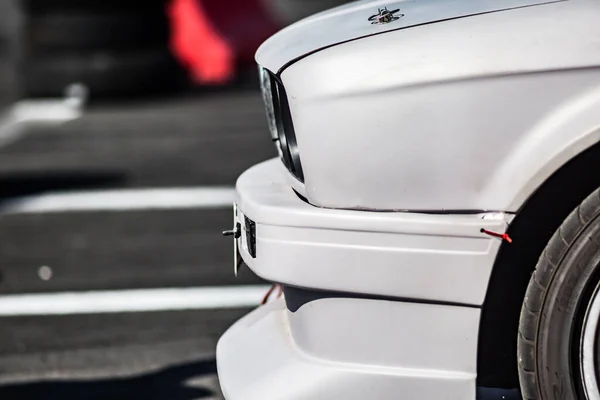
(503, 236)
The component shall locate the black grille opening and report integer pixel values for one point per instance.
(250, 228)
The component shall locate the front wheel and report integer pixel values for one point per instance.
(559, 330)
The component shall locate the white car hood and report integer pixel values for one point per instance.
(350, 22)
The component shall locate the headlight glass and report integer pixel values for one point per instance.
(280, 121)
(267, 94)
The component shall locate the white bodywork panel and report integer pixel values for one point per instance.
(357, 348)
(349, 22)
(465, 114)
(351, 349)
(442, 258)
(458, 105)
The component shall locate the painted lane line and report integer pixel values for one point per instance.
(46, 110)
(49, 112)
(121, 200)
(137, 300)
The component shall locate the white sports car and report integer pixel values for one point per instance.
(434, 217)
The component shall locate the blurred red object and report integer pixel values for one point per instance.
(212, 38)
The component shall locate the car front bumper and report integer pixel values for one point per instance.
(398, 300)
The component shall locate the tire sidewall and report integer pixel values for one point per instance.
(559, 329)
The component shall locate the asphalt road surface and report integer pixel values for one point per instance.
(192, 141)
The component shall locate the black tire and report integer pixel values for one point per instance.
(555, 305)
(57, 32)
(104, 74)
(42, 7)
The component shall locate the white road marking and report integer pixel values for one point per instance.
(41, 111)
(46, 110)
(121, 200)
(138, 300)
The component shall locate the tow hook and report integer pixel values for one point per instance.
(236, 232)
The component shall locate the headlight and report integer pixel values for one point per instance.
(267, 94)
(280, 122)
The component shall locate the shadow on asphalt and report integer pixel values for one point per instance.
(20, 184)
(165, 384)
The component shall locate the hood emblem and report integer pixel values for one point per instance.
(385, 16)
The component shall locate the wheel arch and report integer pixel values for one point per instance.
(531, 229)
